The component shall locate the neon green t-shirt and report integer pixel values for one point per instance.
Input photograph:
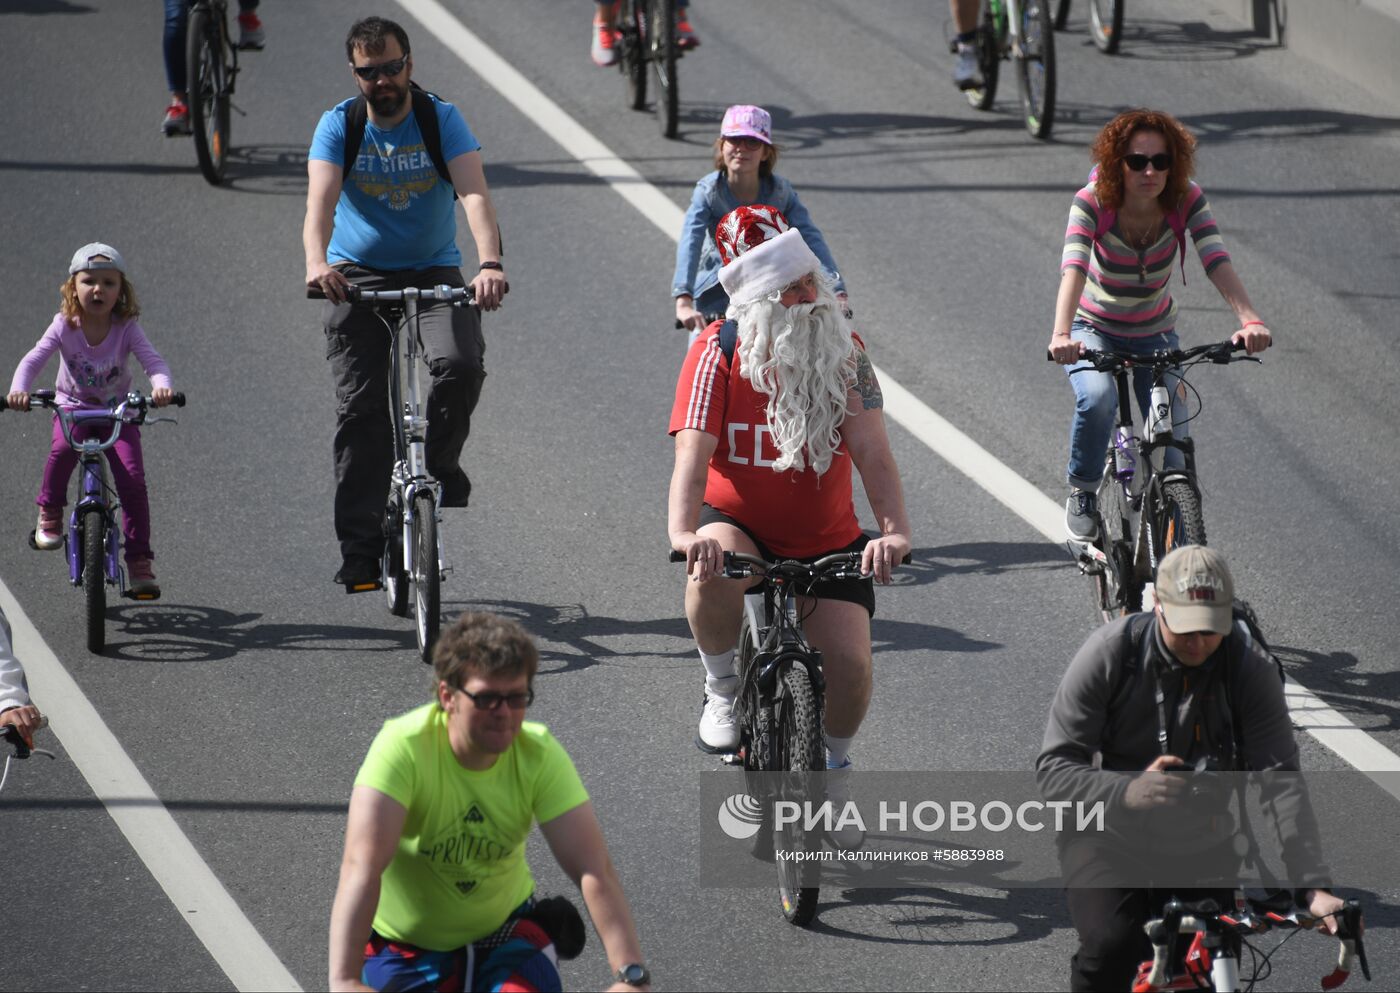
(460, 867)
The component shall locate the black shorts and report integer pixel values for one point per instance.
(860, 591)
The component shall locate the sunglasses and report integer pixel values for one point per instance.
(745, 141)
(370, 73)
(1161, 161)
(492, 701)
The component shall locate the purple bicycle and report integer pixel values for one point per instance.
(93, 540)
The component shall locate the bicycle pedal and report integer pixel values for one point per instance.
(131, 595)
(731, 758)
(363, 587)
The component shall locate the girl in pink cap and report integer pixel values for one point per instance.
(744, 160)
(95, 333)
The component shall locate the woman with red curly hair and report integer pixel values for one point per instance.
(1127, 230)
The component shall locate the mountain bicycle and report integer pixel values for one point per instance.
(779, 703)
(1018, 30)
(212, 66)
(1145, 508)
(1212, 962)
(649, 45)
(93, 540)
(1105, 22)
(413, 556)
(19, 748)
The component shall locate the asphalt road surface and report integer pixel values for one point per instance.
(247, 696)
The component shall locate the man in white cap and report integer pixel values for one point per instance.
(1184, 686)
(773, 408)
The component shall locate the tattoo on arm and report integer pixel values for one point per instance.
(871, 398)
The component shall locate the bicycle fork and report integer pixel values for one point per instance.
(414, 478)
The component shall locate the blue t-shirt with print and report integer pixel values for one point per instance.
(394, 212)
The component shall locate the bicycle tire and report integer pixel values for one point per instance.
(1178, 518)
(661, 31)
(634, 51)
(988, 61)
(755, 727)
(1106, 24)
(94, 530)
(1117, 589)
(1035, 68)
(1061, 15)
(396, 584)
(207, 96)
(801, 751)
(427, 580)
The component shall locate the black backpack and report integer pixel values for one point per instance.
(423, 111)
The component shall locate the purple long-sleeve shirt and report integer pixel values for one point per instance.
(91, 376)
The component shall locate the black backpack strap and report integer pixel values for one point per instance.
(728, 339)
(357, 115)
(1133, 661)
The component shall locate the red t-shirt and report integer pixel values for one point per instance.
(796, 514)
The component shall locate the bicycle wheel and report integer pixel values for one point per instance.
(634, 52)
(426, 577)
(391, 565)
(1117, 590)
(988, 60)
(1035, 68)
(1061, 15)
(1177, 520)
(1106, 24)
(661, 39)
(801, 753)
(94, 530)
(207, 80)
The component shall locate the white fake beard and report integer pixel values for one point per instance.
(803, 359)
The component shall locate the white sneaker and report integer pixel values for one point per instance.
(967, 73)
(838, 791)
(718, 731)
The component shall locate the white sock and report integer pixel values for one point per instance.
(838, 751)
(718, 666)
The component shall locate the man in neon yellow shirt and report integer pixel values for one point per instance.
(434, 878)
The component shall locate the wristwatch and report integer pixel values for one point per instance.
(492, 265)
(634, 974)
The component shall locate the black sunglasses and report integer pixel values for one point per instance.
(1161, 161)
(387, 68)
(492, 701)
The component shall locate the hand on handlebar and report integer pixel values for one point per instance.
(1325, 907)
(881, 556)
(704, 556)
(26, 720)
(18, 400)
(162, 397)
(1254, 338)
(1065, 350)
(489, 288)
(328, 280)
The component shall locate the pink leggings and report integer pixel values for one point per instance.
(128, 477)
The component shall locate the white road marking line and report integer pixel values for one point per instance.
(199, 898)
(1328, 726)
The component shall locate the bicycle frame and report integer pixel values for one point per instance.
(96, 493)
(772, 613)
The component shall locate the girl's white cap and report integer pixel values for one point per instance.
(83, 258)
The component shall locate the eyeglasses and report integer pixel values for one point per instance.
(370, 73)
(1161, 161)
(745, 141)
(488, 700)
(807, 282)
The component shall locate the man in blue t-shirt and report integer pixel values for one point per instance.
(389, 224)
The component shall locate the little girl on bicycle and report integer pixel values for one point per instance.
(95, 332)
(744, 159)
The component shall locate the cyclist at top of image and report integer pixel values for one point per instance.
(744, 159)
(94, 334)
(380, 215)
(435, 892)
(607, 37)
(251, 36)
(967, 73)
(1185, 685)
(767, 427)
(16, 709)
(1127, 230)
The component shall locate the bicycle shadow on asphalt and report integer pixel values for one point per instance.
(1154, 40)
(1333, 677)
(978, 558)
(267, 170)
(32, 7)
(187, 633)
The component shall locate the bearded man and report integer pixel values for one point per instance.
(765, 442)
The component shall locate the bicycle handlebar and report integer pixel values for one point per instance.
(1104, 360)
(47, 398)
(11, 736)
(116, 415)
(459, 295)
(839, 565)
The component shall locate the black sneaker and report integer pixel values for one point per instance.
(456, 488)
(359, 574)
(1082, 515)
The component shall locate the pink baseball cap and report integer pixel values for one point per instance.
(747, 121)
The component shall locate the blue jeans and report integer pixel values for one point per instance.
(177, 16)
(1096, 403)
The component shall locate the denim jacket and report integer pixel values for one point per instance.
(697, 257)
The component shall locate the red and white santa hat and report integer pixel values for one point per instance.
(761, 253)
